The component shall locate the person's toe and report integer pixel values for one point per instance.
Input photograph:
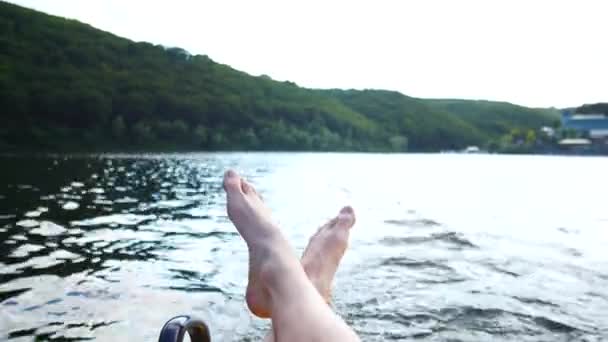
(346, 218)
(347, 210)
(232, 182)
(247, 187)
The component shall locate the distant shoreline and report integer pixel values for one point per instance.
(186, 152)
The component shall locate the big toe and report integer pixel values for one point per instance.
(346, 218)
(232, 182)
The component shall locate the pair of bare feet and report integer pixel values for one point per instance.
(269, 251)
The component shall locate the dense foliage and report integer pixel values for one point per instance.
(426, 128)
(67, 85)
(595, 108)
(497, 118)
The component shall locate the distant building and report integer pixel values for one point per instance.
(576, 145)
(548, 131)
(594, 126)
(591, 133)
(472, 149)
(575, 142)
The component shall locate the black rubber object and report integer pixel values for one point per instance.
(175, 329)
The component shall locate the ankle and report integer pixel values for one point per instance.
(275, 259)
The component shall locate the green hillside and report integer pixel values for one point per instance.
(65, 85)
(426, 128)
(497, 118)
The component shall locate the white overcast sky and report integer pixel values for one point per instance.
(530, 52)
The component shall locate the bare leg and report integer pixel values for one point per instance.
(322, 256)
(298, 311)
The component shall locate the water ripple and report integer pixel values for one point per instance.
(455, 240)
(89, 243)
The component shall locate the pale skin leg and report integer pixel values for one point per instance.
(297, 310)
(322, 256)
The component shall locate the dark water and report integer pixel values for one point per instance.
(446, 247)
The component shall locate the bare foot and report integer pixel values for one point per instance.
(325, 249)
(323, 254)
(252, 220)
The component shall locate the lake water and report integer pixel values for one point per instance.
(446, 247)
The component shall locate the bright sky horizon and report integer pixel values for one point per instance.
(542, 53)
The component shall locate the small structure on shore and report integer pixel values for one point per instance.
(575, 142)
(584, 132)
(472, 149)
(593, 125)
(575, 145)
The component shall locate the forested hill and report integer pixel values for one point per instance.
(65, 85)
(595, 108)
(497, 118)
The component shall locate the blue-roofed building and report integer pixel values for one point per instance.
(591, 133)
(594, 126)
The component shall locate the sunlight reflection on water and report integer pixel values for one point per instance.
(445, 246)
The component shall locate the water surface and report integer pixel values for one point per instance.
(446, 247)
